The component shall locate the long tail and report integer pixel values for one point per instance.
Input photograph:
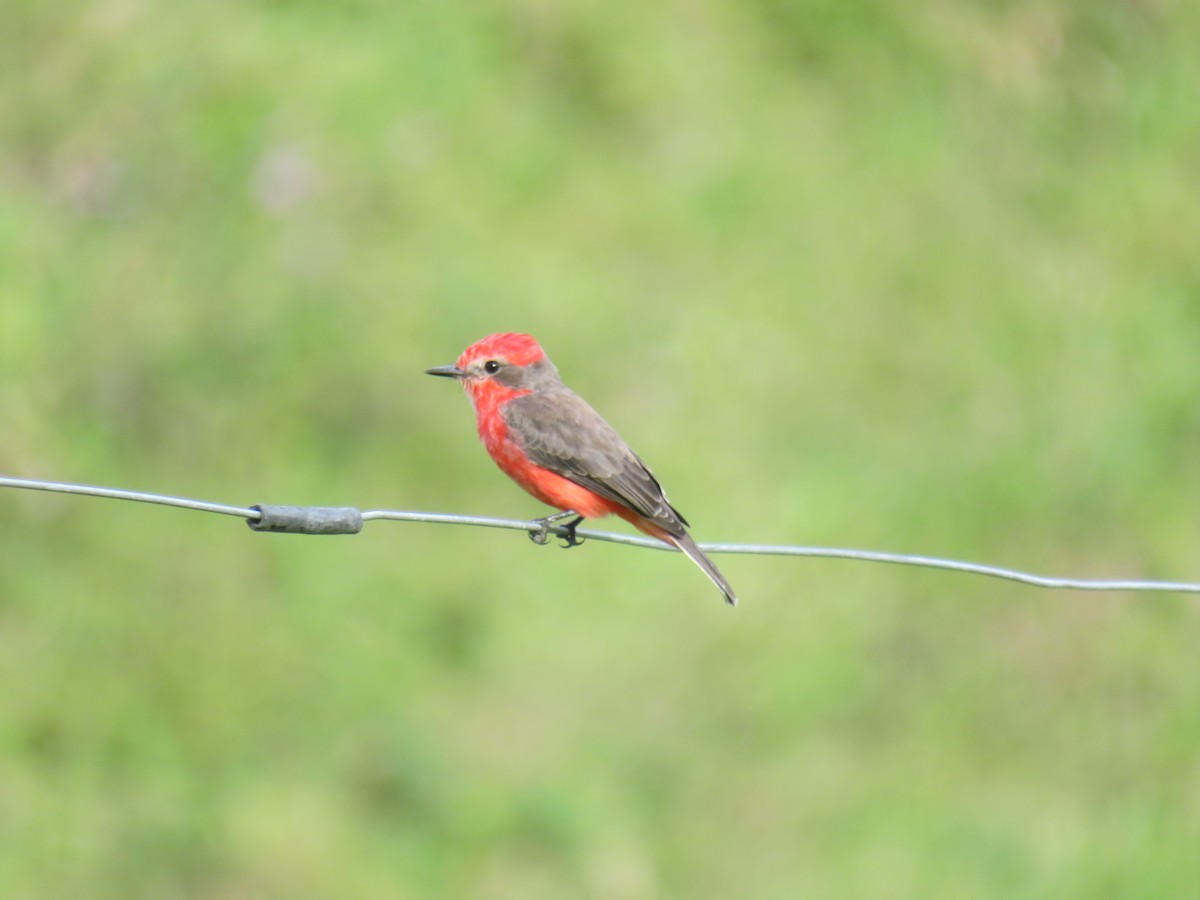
(685, 543)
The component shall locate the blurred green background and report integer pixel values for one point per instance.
(907, 276)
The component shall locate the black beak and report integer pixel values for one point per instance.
(447, 372)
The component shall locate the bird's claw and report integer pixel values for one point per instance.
(571, 539)
(541, 535)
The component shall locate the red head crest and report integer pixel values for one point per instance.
(517, 349)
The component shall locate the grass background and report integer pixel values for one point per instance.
(908, 276)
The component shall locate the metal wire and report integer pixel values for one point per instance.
(60, 487)
(533, 527)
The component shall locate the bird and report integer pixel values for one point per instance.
(550, 441)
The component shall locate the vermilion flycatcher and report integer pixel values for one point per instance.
(548, 440)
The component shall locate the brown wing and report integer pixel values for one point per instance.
(559, 431)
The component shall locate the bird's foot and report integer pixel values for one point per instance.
(571, 539)
(541, 535)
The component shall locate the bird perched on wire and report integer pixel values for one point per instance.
(548, 440)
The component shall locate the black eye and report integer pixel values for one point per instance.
(491, 367)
